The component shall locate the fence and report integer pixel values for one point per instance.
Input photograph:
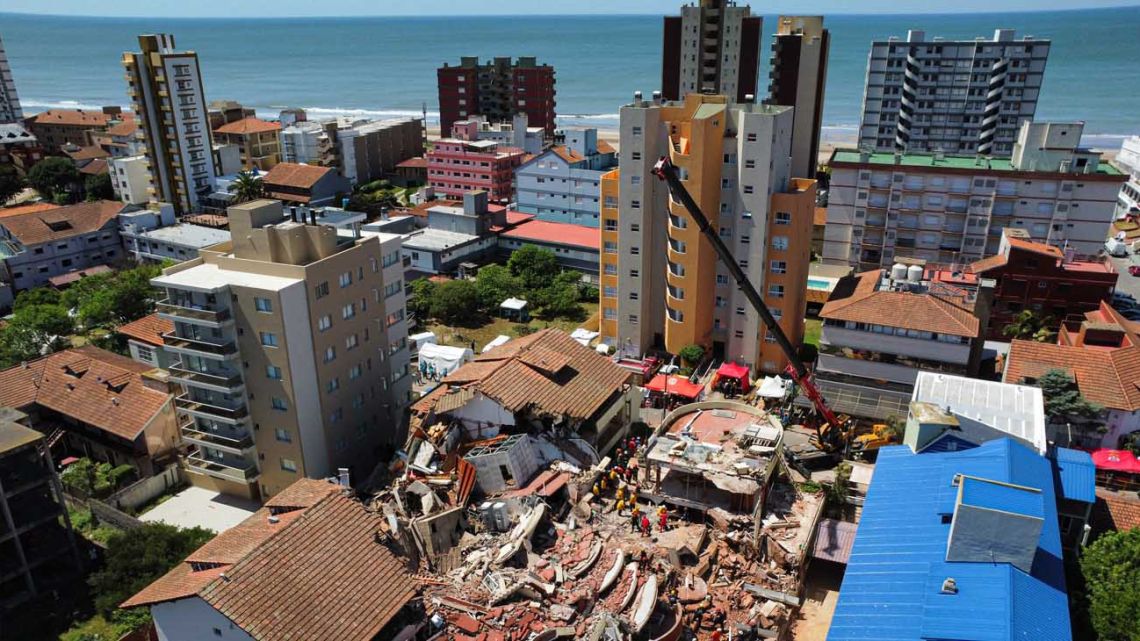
(109, 515)
(146, 490)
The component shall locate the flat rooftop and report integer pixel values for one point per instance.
(436, 239)
(947, 161)
(14, 435)
(206, 277)
(199, 507)
(1017, 410)
(186, 234)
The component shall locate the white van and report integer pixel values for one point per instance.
(1115, 248)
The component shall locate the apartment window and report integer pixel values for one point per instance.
(635, 204)
(330, 354)
(750, 137)
(346, 279)
(324, 322)
(609, 291)
(273, 372)
(322, 290)
(349, 311)
(783, 218)
(269, 339)
(637, 131)
(779, 267)
(355, 372)
(739, 311)
(738, 333)
(633, 319)
(748, 189)
(635, 180)
(278, 404)
(609, 313)
(283, 435)
(263, 305)
(750, 163)
(289, 465)
(336, 416)
(636, 155)
(351, 342)
(610, 269)
(633, 295)
(611, 224)
(144, 353)
(721, 279)
(358, 401)
(776, 291)
(634, 273)
(780, 242)
(609, 247)
(333, 385)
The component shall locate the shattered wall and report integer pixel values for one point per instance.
(438, 533)
(510, 466)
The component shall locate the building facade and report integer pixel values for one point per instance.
(954, 96)
(457, 166)
(10, 110)
(713, 47)
(563, 183)
(130, 178)
(292, 352)
(497, 90)
(257, 141)
(574, 246)
(1128, 202)
(305, 184)
(797, 79)
(40, 245)
(508, 134)
(662, 284)
(371, 150)
(153, 235)
(951, 209)
(165, 86)
(19, 147)
(1042, 279)
(310, 143)
(58, 128)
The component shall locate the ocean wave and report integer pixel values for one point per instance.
(66, 104)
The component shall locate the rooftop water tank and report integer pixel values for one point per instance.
(914, 274)
(898, 272)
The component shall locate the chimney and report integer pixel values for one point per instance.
(749, 98)
(342, 477)
(637, 98)
(656, 97)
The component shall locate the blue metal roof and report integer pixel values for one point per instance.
(987, 494)
(1076, 474)
(891, 590)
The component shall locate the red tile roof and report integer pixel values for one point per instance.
(148, 329)
(287, 174)
(319, 572)
(605, 147)
(1107, 378)
(125, 128)
(71, 117)
(581, 236)
(1040, 248)
(62, 222)
(418, 162)
(1115, 511)
(942, 309)
(19, 210)
(90, 385)
(85, 153)
(819, 218)
(94, 168)
(248, 125)
(73, 276)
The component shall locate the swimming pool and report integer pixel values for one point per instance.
(818, 283)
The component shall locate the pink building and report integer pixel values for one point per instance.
(458, 166)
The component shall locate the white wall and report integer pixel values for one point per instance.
(482, 411)
(306, 388)
(194, 620)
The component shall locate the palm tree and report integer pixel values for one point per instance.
(246, 187)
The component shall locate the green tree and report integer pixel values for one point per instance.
(10, 184)
(419, 301)
(37, 296)
(46, 319)
(107, 300)
(247, 186)
(558, 299)
(534, 266)
(135, 558)
(455, 301)
(1063, 400)
(54, 176)
(1029, 326)
(1111, 569)
(495, 284)
(34, 330)
(99, 187)
(692, 354)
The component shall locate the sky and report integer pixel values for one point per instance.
(300, 8)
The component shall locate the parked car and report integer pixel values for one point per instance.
(1134, 270)
(1131, 314)
(1115, 248)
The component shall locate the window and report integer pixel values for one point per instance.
(779, 267)
(609, 247)
(269, 339)
(335, 416)
(739, 311)
(633, 319)
(611, 224)
(144, 353)
(346, 279)
(780, 242)
(776, 291)
(610, 269)
(721, 279)
(283, 435)
(324, 322)
(637, 131)
(263, 305)
(349, 311)
(273, 372)
(633, 295)
(351, 342)
(748, 189)
(355, 372)
(609, 291)
(278, 404)
(330, 354)
(289, 465)
(322, 290)
(333, 385)
(783, 218)
(609, 313)
(635, 250)
(636, 155)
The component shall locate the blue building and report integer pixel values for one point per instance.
(960, 545)
(563, 183)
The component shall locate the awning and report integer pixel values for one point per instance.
(1116, 461)
(833, 540)
(675, 385)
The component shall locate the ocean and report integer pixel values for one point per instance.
(386, 66)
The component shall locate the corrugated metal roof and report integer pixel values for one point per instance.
(989, 495)
(1076, 474)
(833, 541)
(891, 589)
(1016, 410)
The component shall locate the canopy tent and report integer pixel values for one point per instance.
(774, 387)
(583, 336)
(1116, 461)
(732, 371)
(443, 359)
(501, 339)
(514, 309)
(675, 385)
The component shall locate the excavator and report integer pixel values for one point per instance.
(832, 432)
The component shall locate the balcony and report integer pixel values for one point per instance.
(217, 441)
(210, 412)
(196, 346)
(175, 311)
(225, 383)
(221, 470)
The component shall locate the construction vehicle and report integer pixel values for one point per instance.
(832, 432)
(881, 434)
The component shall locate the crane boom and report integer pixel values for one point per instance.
(665, 170)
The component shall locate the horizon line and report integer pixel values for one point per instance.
(551, 15)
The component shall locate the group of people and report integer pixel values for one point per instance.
(620, 478)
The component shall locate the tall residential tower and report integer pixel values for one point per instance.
(497, 90)
(954, 96)
(713, 47)
(662, 284)
(165, 87)
(9, 102)
(797, 79)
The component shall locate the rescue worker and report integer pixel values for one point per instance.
(595, 491)
(662, 517)
(620, 506)
(644, 525)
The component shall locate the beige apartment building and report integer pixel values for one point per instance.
(662, 285)
(292, 349)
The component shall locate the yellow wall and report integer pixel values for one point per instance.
(799, 201)
(610, 184)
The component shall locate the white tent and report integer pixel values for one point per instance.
(583, 336)
(443, 359)
(501, 339)
(418, 340)
(774, 387)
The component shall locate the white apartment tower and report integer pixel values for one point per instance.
(713, 47)
(9, 102)
(165, 87)
(954, 96)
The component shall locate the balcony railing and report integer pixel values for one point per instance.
(213, 439)
(170, 339)
(222, 470)
(182, 374)
(184, 402)
(195, 313)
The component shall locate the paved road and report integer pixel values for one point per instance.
(1127, 283)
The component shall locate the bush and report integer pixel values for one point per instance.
(455, 301)
(54, 177)
(1112, 581)
(136, 558)
(523, 330)
(692, 354)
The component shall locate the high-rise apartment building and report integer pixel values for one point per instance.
(292, 353)
(497, 90)
(713, 47)
(165, 87)
(9, 102)
(950, 209)
(797, 79)
(662, 284)
(955, 96)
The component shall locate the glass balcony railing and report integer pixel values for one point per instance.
(181, 309)
(221, 469)
(181, 342)
(185, 403)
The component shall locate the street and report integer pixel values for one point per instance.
(1126, 283)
